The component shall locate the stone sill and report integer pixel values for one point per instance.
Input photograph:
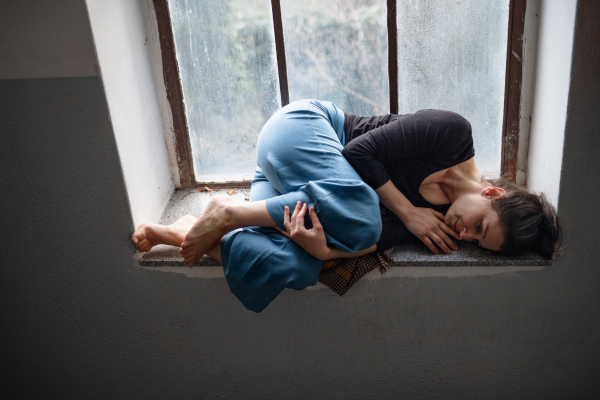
(409, 255)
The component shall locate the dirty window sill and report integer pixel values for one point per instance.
(409, 255)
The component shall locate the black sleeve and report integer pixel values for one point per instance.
(438, 133)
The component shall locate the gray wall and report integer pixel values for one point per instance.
(78, 319)
(42, 39)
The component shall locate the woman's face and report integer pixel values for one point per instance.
(473, 217)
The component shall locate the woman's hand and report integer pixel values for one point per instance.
(312, 240)
(426, 224)
(429, 226)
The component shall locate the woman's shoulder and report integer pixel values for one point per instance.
(442, 117)
(438, 128)
(443, 127)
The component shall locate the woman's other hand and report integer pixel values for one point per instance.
(426, 224)
(429, 226)
(312, 240)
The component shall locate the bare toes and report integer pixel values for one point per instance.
(144, 245)
(185, 252)
(142, 238)
(189, 262)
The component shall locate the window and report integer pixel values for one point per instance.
(230, 64)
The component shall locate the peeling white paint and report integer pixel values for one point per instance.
(530, 42)
(551, 89)
(121, 44)
(156, 64)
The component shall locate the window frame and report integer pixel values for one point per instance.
(512, 92)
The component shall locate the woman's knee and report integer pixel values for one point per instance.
(360, 232)
(351, 216)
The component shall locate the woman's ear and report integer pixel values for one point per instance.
(493, 193)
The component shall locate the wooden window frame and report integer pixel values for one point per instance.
(512, 89)
(512, 93)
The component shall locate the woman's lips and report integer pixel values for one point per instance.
(454, 226)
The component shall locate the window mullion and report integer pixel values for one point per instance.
(280, 51)
(174, 94)
(392, 55)
(512, 94)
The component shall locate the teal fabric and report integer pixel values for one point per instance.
(299, 156)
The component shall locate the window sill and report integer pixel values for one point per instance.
(192, 202)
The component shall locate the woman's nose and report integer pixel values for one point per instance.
(464, 235)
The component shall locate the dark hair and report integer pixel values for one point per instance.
(529, 221)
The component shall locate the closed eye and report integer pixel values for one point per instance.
(479, 227)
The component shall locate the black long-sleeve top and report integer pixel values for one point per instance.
(405, 149)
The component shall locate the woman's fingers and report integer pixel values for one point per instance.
(439, 215)
(447, 229)
(295, 223)
(300, 216)
(297, 209)
(430, 227)
(429, 244)
(448, 240)
(286, 214)
(299, 220)
(294, 217)
(437, 238)
(314, 218)
(284, 233)
(440, 242)
(287, 224)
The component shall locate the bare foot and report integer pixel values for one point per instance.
(207, 231)
(150, 235)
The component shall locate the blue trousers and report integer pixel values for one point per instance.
(299, 157)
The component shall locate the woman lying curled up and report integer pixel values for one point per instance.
(333, 170)
(423, 169)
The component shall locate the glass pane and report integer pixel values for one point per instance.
(337, 50)
(226, 55)
(452, 56)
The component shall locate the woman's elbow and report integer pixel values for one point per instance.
(347, 152)
(353, 155)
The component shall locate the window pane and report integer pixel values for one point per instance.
(452, 56)
(337, 50)
(226, 55)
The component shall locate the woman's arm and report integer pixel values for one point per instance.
(425, 223)
(431, 133)
(427, 133)
(313, 240)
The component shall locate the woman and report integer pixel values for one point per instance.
(418, 165)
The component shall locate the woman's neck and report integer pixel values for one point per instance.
(462, 179)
